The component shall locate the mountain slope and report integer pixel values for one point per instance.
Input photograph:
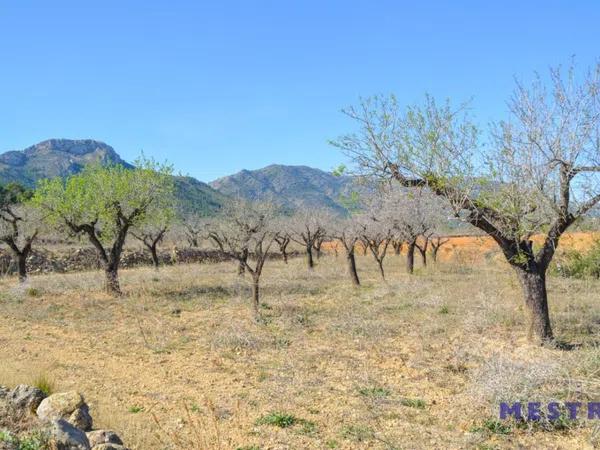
(64, 157)
(52, 158)
(290, 186)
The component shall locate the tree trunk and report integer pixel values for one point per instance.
(410, 257)
(22, 266)
(309, 257)
(397, 247)
(256, 295)
(434, 251)
(380, 265)
(112, 281)
(533, 283)
(241, 269)
(352, 269)
(284, 254)
(423, 253)
(155, 261)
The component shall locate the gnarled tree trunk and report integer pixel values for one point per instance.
(410, 257)
(22, 266)
(352, 268)
(111, 284)
(533, 283)
(256, 294)
(309, 257)
(154, 253)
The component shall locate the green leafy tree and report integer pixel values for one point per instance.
(19, 224)
(105, 203)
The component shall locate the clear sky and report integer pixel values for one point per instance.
(215, 87)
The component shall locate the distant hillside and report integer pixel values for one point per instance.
(53, 158)
(64, 157)
(290, 186)
(198, 197)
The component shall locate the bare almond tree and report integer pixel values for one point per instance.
(348, 232)
(436, 243)
(397, 245)
(194, 228)
(151, 237)
(537, 174)
(376, 228)
(416, 214)
(19, 225)
(244, 232)
(306, 228)
(282, 238)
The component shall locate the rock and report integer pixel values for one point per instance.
(66, 405)
(65, 436)
(81, 418)
(8, 446)
(25, 397)
(109, 447)
(4, 391)
(98, 437)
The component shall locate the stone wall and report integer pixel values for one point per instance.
(81, 259)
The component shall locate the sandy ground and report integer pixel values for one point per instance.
(418, 362)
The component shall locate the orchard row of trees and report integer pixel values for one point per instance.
(105, 205)
(537, 172)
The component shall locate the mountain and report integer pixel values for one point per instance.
(289, 186)
(197, 197)
(53, 158)
(64, 157)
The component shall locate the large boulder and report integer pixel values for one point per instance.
(98, 437)
(69, 406)
(64, 436)
(25, 397)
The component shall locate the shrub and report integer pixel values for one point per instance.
(578, 265)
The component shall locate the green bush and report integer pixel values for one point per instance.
(574, 264)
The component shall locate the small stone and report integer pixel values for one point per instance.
(98, 437)
(109, 447)
(25, 397)
(65, 436)
(4, 391)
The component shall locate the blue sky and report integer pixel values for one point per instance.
(215, 87)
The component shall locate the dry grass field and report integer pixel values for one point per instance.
(419, 362)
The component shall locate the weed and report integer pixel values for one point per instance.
(357, 433)
(278, 419)
(374, 392)
(493, 426)
(413, 403)
(32, 292)
(44, 384)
